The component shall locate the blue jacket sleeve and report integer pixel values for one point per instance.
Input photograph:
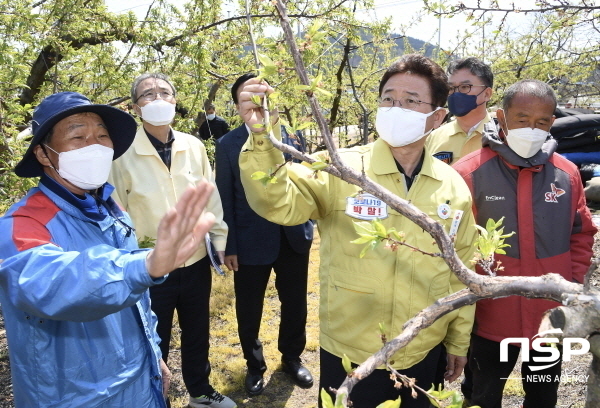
(49, 282)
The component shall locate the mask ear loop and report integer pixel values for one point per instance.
(479, 104)
(43, 146)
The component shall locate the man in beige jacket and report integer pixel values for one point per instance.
(149, 178)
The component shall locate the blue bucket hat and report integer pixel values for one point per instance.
(121, 126)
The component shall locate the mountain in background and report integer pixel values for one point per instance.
(416, 44)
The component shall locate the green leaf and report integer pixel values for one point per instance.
(319, 36)
(258, 175)
(265, 60)
(433, 402)
(372, 245)
(318, 165)
(363, 227)
(146, 242)
(379, 228)
(326, 399)
(304, 125)
(268, 71)
(491, 239)
(315, 82)
(481, 230)
(323, 91)
(347, 364)
(257, 100)
(314, 29)
(274, 96)
(339, 401)
(390, 404)
(398, 236)
(263, 177)
(362, 240)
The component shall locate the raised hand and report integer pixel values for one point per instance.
(181, 231)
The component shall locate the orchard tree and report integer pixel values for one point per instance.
(79, 45)
(559, 43)
(580, 317)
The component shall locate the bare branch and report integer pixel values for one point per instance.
(216, 75)
(173, 41)
(365, 129)
(563, 7)
(339, 90)
(551, 286)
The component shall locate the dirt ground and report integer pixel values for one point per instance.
(280, 392)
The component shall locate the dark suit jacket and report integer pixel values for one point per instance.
(215, 128)
(252, 238)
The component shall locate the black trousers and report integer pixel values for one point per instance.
(378, 387)
(441, 367)
(187, 290)
(489, 375)
(250, 283)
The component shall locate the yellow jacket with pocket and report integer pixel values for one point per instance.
(356, 294)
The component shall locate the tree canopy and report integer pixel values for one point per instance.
(56, 45)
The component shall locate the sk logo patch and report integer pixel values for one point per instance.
(551, 196)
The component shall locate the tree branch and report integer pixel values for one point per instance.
(339, 75)
(173, 41)
(49, 56)
(564, 7)
(551, 286)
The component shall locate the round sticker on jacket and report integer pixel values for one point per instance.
(443, 211)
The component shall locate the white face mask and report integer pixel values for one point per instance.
(401, 127)
(526, 141)
(211, 116)
(158, 112)
(87, 167)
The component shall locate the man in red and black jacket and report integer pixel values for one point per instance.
(518, 175)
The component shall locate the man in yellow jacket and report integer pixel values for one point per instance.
(149, 179)
(383, 286)
(471, 81)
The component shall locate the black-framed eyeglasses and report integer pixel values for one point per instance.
(152, 95)
(463, 88)
(406, 102)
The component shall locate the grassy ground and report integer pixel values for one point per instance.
(228, 364)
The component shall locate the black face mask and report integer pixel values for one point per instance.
(461, 104)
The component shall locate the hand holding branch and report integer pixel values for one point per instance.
(251, 112)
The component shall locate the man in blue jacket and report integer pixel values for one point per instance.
(254, 247)
(73, 283)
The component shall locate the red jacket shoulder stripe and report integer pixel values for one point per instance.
(563, 163)
(473, 161)
(29, 222)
